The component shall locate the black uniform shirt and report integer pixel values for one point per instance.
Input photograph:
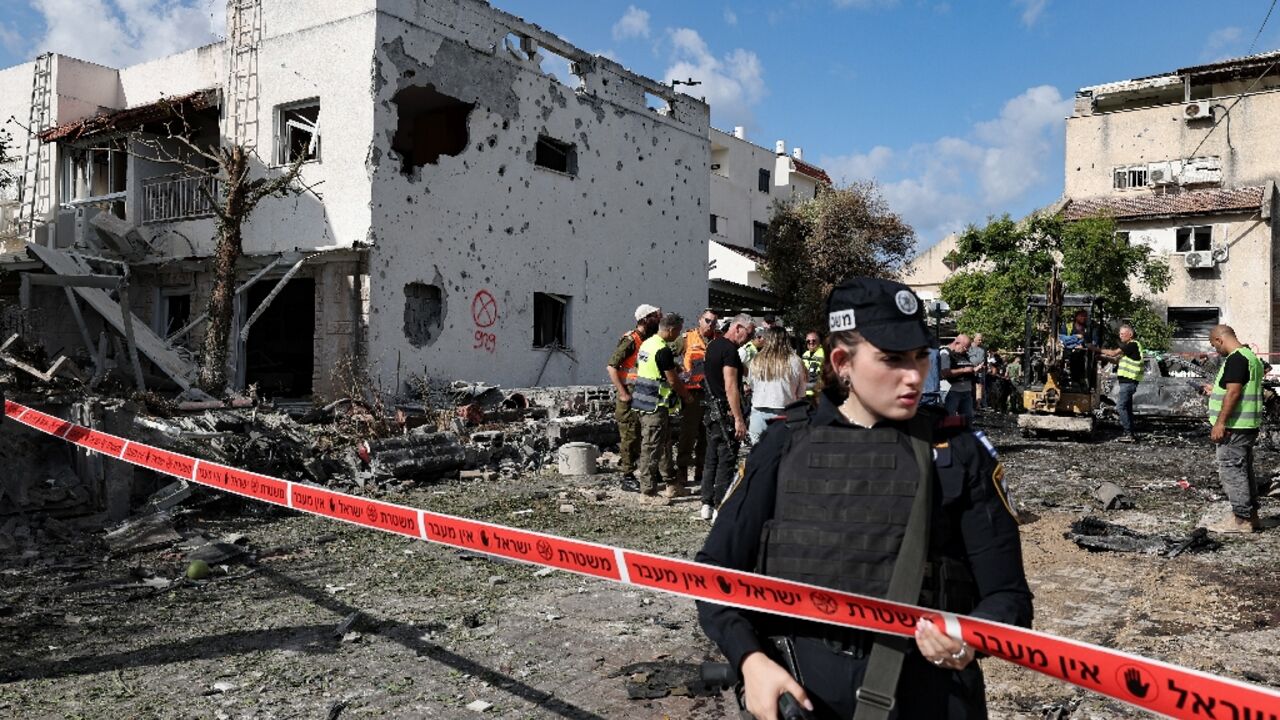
(721, 353)
(970, 512)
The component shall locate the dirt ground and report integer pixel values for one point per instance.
(318, 619)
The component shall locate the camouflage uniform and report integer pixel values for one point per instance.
(628, 420)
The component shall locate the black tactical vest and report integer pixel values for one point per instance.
(844, 496)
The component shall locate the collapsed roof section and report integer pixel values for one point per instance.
(117, 121)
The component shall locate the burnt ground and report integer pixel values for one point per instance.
(318, 619)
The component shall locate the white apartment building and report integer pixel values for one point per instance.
(747, 180)
(1186, 163)
(488, 202)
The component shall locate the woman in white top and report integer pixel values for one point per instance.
(777, 379)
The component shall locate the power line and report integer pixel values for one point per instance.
(1260, 29)
(1247, 90)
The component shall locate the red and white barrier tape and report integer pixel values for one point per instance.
(1144, 683)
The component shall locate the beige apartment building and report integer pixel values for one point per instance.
(1186, 163)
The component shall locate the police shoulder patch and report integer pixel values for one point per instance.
(986, 443)
(1002, 490)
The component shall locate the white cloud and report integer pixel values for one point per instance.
(732, 84)
(1031, 10)
(634, 23)
(12, 41)
(123, 32)
(1223, 43)
(730, 17)
(941, 186)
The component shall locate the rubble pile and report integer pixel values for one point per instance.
(354, 445)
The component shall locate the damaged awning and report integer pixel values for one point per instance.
(132, 118)
(1196, 202)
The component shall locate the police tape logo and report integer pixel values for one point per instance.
(907, 302)
(823, 602)
(371, 512)
(724, 585)
(1137, 682)
(544, 549)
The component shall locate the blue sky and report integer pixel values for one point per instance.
(955, 108)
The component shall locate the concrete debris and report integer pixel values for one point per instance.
(479, 706)
(140, 533)
(1093, 534)
(1112, 496)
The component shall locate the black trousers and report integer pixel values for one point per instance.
(925, 692)
(720, 463)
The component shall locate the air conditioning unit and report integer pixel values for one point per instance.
(1193, 260)
(1197, 111)
(1161, 174)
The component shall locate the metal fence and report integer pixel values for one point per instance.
(182, 196)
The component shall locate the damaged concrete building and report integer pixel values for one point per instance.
(486, 201)
(747, 181)
(1186, 162)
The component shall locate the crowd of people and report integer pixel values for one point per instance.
(687, 399)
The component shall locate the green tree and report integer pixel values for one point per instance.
(816, 243)
(1003, 262)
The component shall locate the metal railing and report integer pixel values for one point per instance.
(167, 198)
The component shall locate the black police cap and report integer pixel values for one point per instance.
(886, 313)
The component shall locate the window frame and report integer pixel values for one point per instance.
(764, 179)
(562, 342)
(284, 126)
(1194, 233)
(568, 149)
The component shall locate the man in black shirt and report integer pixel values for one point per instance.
(1235, 412)
(724, 390)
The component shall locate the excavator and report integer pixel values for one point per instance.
(1060, 391)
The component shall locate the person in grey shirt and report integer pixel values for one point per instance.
(978, 358)
(957, 377)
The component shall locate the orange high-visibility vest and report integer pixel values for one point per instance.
(695, 356)
(628, 366)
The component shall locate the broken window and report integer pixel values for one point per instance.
(173, 311)
(94, 172)
(1194, 239)
(713, 224)
(428, 124)
(423, 313)
(298, 131)
(555, 155)
(760, 236)
(1126, 178)
(763, 180)
(1193, 322)
(550, 320)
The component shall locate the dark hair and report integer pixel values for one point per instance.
(770, 318)
(671, 320)
(829, 379)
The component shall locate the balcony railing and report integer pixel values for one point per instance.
(181, 196)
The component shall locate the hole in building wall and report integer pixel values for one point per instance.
(423, 313)
(550, 320)
(553, 64)
(657, 103)
(556, 155)
(429, 124)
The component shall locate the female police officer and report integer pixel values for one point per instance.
(834, 496)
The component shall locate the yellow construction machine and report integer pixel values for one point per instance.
(1060, 391)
